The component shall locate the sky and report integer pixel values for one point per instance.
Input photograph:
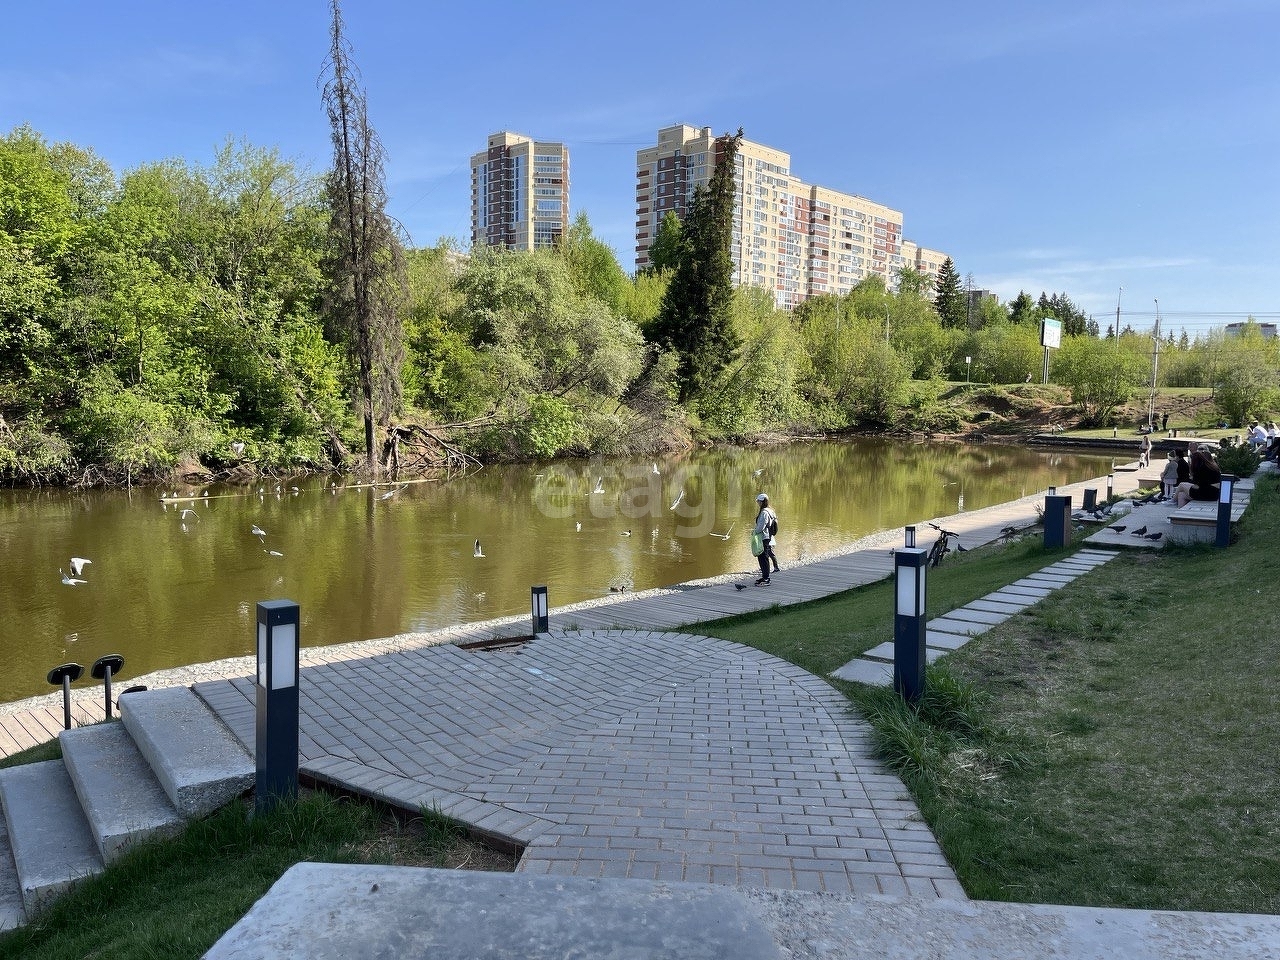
(1119, 152)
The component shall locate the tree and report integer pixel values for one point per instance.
(913, 283)
(593, 267)
(949, 301)
(696, 318)
(1022, 309)
(1100, 375)
(668, 244)
(1245, 378)
(367, 266)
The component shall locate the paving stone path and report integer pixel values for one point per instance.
(660, 756)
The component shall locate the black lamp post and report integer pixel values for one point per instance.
(538, 609)
(103, 669)
(65, 675)
(277, 704)
(1226, 489)
(909, 566)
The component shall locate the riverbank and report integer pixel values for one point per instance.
(41, 716)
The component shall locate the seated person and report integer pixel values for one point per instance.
(1205, 479)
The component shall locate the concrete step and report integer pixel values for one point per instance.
(121, 798)
(11, 912)
(198, 761)
(48, 833)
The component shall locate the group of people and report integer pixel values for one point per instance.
(1198, 479)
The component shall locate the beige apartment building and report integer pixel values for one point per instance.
(519, 192)
(923, 260)
(792, 238)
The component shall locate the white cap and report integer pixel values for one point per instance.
(761, 498)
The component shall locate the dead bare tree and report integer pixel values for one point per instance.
(367, 275)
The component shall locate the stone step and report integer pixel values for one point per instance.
(48, 833)
(121, 798)
(198, 761)
(11, 913)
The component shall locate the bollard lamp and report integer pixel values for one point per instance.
(538, 609)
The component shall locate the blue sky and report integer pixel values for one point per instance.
(1045, 146)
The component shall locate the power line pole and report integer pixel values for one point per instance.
(1155, 365)
(1117, 331)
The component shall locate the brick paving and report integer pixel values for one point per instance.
(661, 756)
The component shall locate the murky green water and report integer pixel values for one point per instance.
(166, 589)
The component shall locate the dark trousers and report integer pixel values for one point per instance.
(766, 555)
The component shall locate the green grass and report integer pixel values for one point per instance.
(1116, 745)
(174, 898)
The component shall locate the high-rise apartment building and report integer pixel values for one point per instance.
(795, 239)
(519, 192)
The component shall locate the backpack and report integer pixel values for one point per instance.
(773, 527)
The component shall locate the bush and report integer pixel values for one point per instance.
(1239, 460)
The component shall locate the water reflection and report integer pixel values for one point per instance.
(166, 588)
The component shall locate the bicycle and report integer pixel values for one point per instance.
(942, 546)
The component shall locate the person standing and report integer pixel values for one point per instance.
(766, 526)
(1144, 450)
(1169, 478)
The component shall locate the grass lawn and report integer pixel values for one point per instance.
(174, 898)
(1116, 745)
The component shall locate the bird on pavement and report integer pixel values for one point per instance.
(1119, 528)
(1154, 536)
(1140, 531)
(739, 586)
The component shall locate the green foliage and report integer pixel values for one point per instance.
(1239, 460)
(696, 318)
(1101, 375)
(948, 299)
(593, 267)
(668, 247)
(1246, 380)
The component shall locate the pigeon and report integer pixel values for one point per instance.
(739, 586)
(1140, 531)
(1154, 536)
(1119, 528)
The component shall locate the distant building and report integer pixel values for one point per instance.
(1268, 330)
(519, 193)
(792, 238)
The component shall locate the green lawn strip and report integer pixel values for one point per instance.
(174, 898)
(52, 750)
(825, 634)
(1115, 745)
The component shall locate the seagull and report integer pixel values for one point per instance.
(205, 494)
(599, 486)
(756, 473)
(655, 471)
(391, 493)
(1140, 531)
(478, 552)
(1153, 536)
(258, 532)
(626, 533)
(676, 502)
(238, 448)
(185, 512)
(274, 553)
(78, 564)
(70, 581)
(578, 526)
(725, 535)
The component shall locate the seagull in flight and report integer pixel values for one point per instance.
(626, 533)
(578, 525)
(70, 581)
(391, 493)
(187, 511)
(756, 473)
(725, 535)
(274, 553)
(599, 485)
(238, 448)
(78, 564)
(258, 532)
(655, 471)
(478, 552)
(676, 502)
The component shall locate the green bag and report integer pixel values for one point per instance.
(757, 544)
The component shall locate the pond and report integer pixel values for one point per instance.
(177, 583)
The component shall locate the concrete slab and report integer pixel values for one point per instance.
(121, 798)
(11, 912)
(944, 641)
(357, 912)
(197, 760)
(1023, 590)
(998, 606)
(947, 624)
(884, 651)
(327, 911)
(874, 673)
(978, 615)
(50, 838)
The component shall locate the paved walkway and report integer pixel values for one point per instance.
(657, 756)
